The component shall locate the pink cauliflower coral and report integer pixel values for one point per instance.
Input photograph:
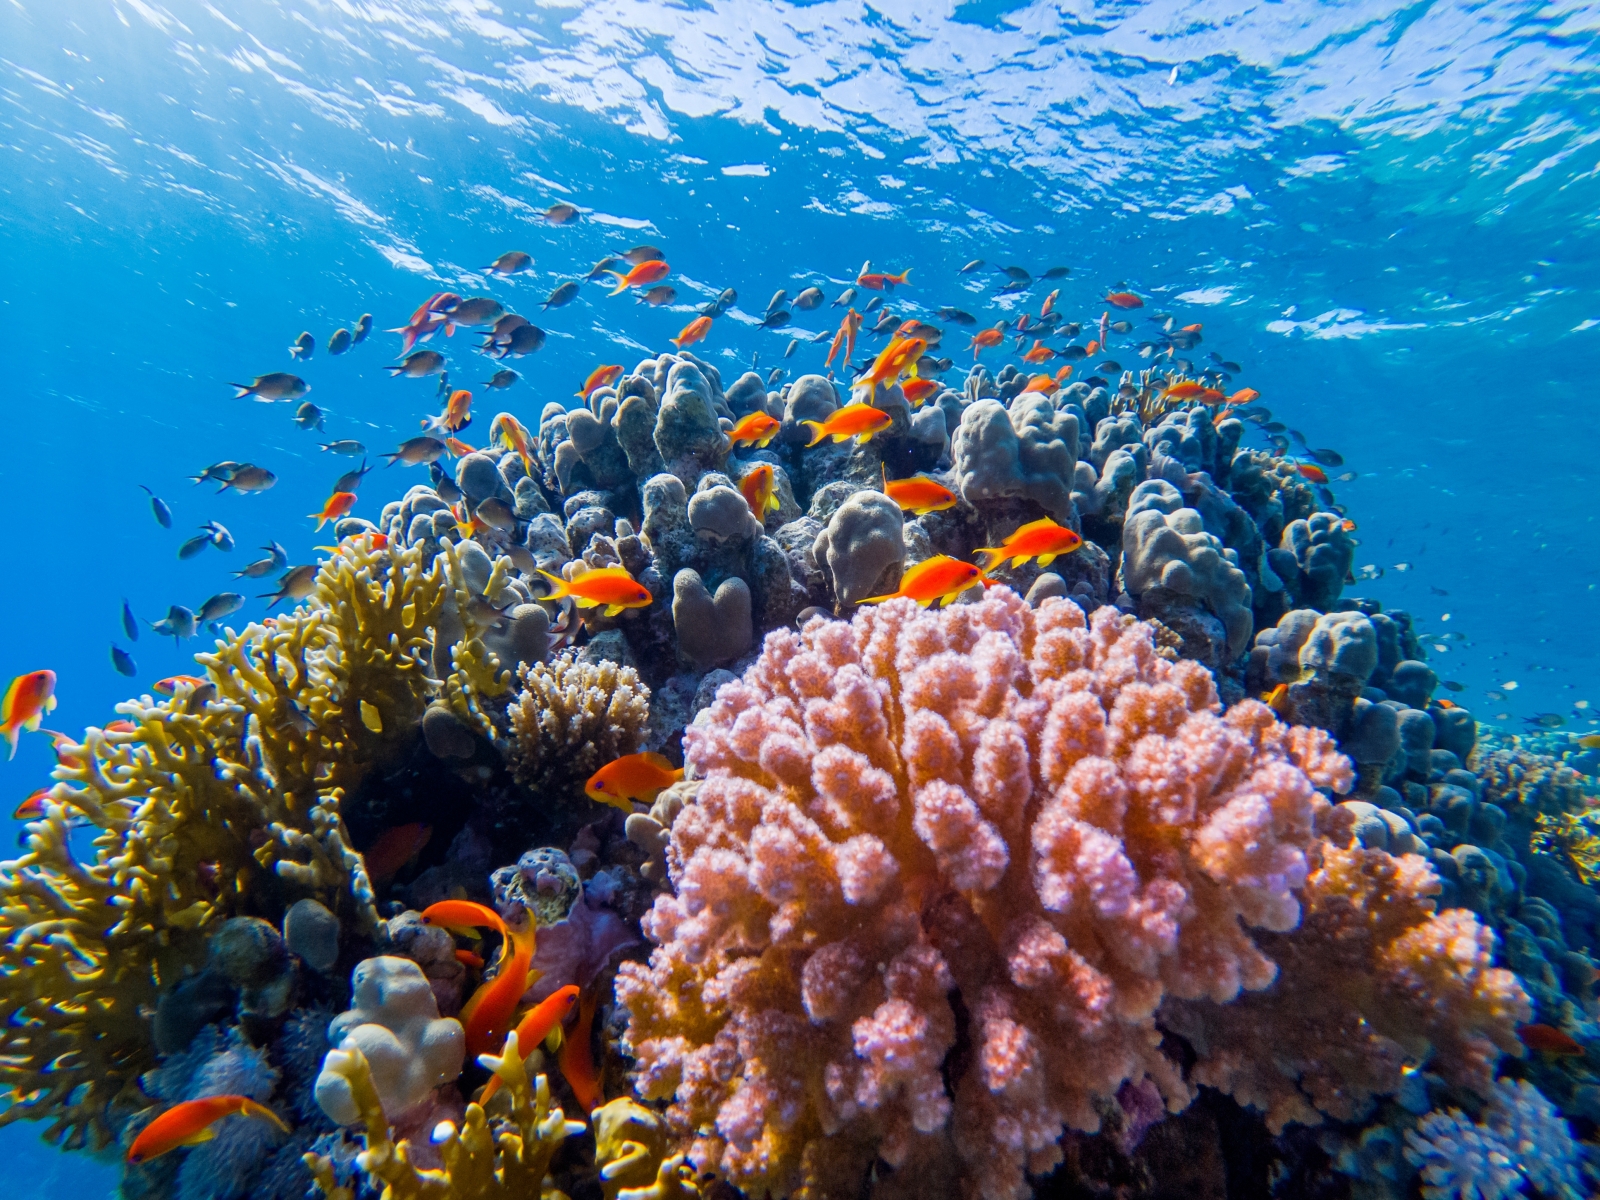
(941, 872)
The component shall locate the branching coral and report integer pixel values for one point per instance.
(1516, 778)
(941, 872)
(198, 804)
(512, 1163)
(631, 1150)
(570, 719)
(1372, 978)
(1572, 837)
(1521, 1140)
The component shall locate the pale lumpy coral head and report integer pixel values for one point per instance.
(1003, 832)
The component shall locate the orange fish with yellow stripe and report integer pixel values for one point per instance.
(1042, 539)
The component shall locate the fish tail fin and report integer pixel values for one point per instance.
(817, 432)
(266, 1114)
(992, 556)
(622, 283)
(243, 390)
(392, 371)
(559, 589)
(11, 734)
(903, 277)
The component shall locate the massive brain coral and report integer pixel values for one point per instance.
(941, 872)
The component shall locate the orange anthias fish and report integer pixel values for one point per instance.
(1093, 347)
(1064, 374)
(650, 271)
(536, 1025)
(458, 448)
(1549, 1040)
(1277, 699)
(1244, 396)
(487, 1015)
(32, 808)
(760, 490)
(882, 282)
(1049, 305)
(598, 378)
(468, 959)
(636, 777)
(1038, 353)
(26, 701)
(1184, 389)
(935, 581)
(1124, 300)
(59, 743)
(1042, 383)
(170, 685)
(463, 914)
(612, 587)
(1042, 539)
(577, 1056)
(510, 433)
(846, 338)
(190, 1123)
(1312, 472)
(456, 416)
(758, 429)
(899, 358)
(852, 421)
(919, 494)
(395, 848)
(985, 338)
(918, 390)
(338, 504)
(694, 331)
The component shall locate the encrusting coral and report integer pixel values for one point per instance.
(1019, 822)
(225, 796)
(480, 1161)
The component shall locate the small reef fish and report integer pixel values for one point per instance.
(194, 545)
(536, 1025)
(643, 254)
(503, 378)
(648, 272)
(1244, 396)
(1589, 741)
(363, 327)
(633, 778)
(858, 421)
(985, 338)
(1123, 300)
(958, 315)
(496, 514)
(463, 914)
(1016, 274)
(659, 295)
(418, 365)
(249, 478)
(845, 339)
(1038, 353)
(190, 1123)
(1312, 472)
(598, 378)
(776, 320)
(130, 625)
(308, 416)
(512, 262)
(846, 298)
(1549, 1040)
(159, 509)
(576, 1059)
(1042, 539)
(759, 488)
(611, 587)
(475, 310)
(563, 294)
(468, 959)
(809, 299)
(170, 685)
(758, 429)
(275, 385)
(1043, 383)
(417, 451)
(509, 432)
(1277, 699)
(339, 341)
(918, 390)
(458, 448)
(934, 581)
(883, 282)
(345, 446)
(26, 701)
(919, 494)
(123, 662)
(295, 584)
(277, 558)
(457, 414)
(976, 264)
(899, 358)
(338, 504)
(694, 331)
(561, 214)
(487, 1015)
(394, 848)
(303, 347)
(223, 604)
(179, 623)
(351, 480)
(32, 808)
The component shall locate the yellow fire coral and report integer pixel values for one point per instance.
(572, 718)
(478, 1163)
(205, 798)
(632, 1150)
(1372, 979)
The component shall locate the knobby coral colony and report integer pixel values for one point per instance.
(1031, 882)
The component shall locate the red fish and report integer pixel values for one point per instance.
(32, 808)
(1042, 539)
(468, 959)
(338, 504)
(170, 685)
(1042, 383)
(648, 272)
(26, 701)
(1312, 472)
(1549, 1040)
(883, 282)
(609, 587)
(919, 494)
(634, 777)
(190, 1123)
(1244, 396)
(918, 390)
(1124, 300)
(487, 1015)
(985, 338)
(577, 1056)
(935, 581)
(758, 428)
(536, 1025)
(852, 421)
(463, 914)
(1038, 353)
(759, 488)
(694, 331)
(395, 848)
(598, 378)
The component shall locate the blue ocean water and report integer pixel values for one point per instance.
(1383, 212)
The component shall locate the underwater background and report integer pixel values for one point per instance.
(1384, 213)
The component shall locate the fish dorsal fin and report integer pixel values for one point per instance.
(658, 760)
